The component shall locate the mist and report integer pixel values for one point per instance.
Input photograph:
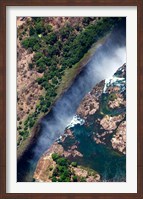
(103, 65)
(107, 59)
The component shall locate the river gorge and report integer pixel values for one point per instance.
(108, 57)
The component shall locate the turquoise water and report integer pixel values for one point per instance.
(102, 158)
(99, 157)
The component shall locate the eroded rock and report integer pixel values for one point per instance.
(110, 123)
(119, 139)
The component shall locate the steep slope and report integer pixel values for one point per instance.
(94, 142)
(51, 52)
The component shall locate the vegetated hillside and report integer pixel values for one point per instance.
(93, 146)
(47, 48)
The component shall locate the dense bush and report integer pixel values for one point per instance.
(62, 161)
(74, 178)
(55, 51)
(30, 66)
(29, 42)
(62, 172)
(55, 156)
(32, 31)
(74, 164)
(39, 27)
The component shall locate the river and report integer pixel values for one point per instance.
(107, 58)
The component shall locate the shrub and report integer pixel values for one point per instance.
(86, 20)
(66, 180)
(32, 41)
(25, 43)
(54, 179)
(48, 28)
(44, 109)
(74, 164)
(62, 161)
(61, 168)
(37, 19)
(74, 178)
(36, 47)
(51, 38)
(29, 42)
(112, 97)
(40, 80)
(30, 66)
(24, 134)
(21, 133)
(32, 31)
(39, 28)
(51, 168)
(37, 56)
(83, 179)
(55, 172)
(41, 68)
(55, 156)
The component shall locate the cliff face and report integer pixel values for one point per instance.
(33, 37)
(95, 140)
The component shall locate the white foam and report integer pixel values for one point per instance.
(114, 81)
(75, 120)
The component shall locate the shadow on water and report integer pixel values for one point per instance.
(107, 58)
(102, 158)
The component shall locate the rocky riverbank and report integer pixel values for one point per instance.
(100, 122)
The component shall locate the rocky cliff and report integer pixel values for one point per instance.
(33, 37)
(94, 143)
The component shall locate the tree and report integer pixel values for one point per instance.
(74, 178)
(48, 28)
(40, 80)
(29, 42)
(51, 38)
(44, 108)
(37, 19)
(52, 94)
(36, 47)
(37, 56)
(61, 168)
(55, 81)
(62, 161)
(41, 68)
(25, 43)
(39, 28)
(83, 179)
(30, 66)
(31, 122)
(55, 156)
(54, 179)
(32, 31)
(48, 103)
(86, 21)
(74, 164)
(32, 41)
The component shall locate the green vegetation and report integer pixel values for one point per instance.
(112, 97)
(30, 42)
(75, 178)
(74, 164)
(55, 156)
(62, 172)
(104, 107)
(83, 179)
(57, 51)
(24, 134)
